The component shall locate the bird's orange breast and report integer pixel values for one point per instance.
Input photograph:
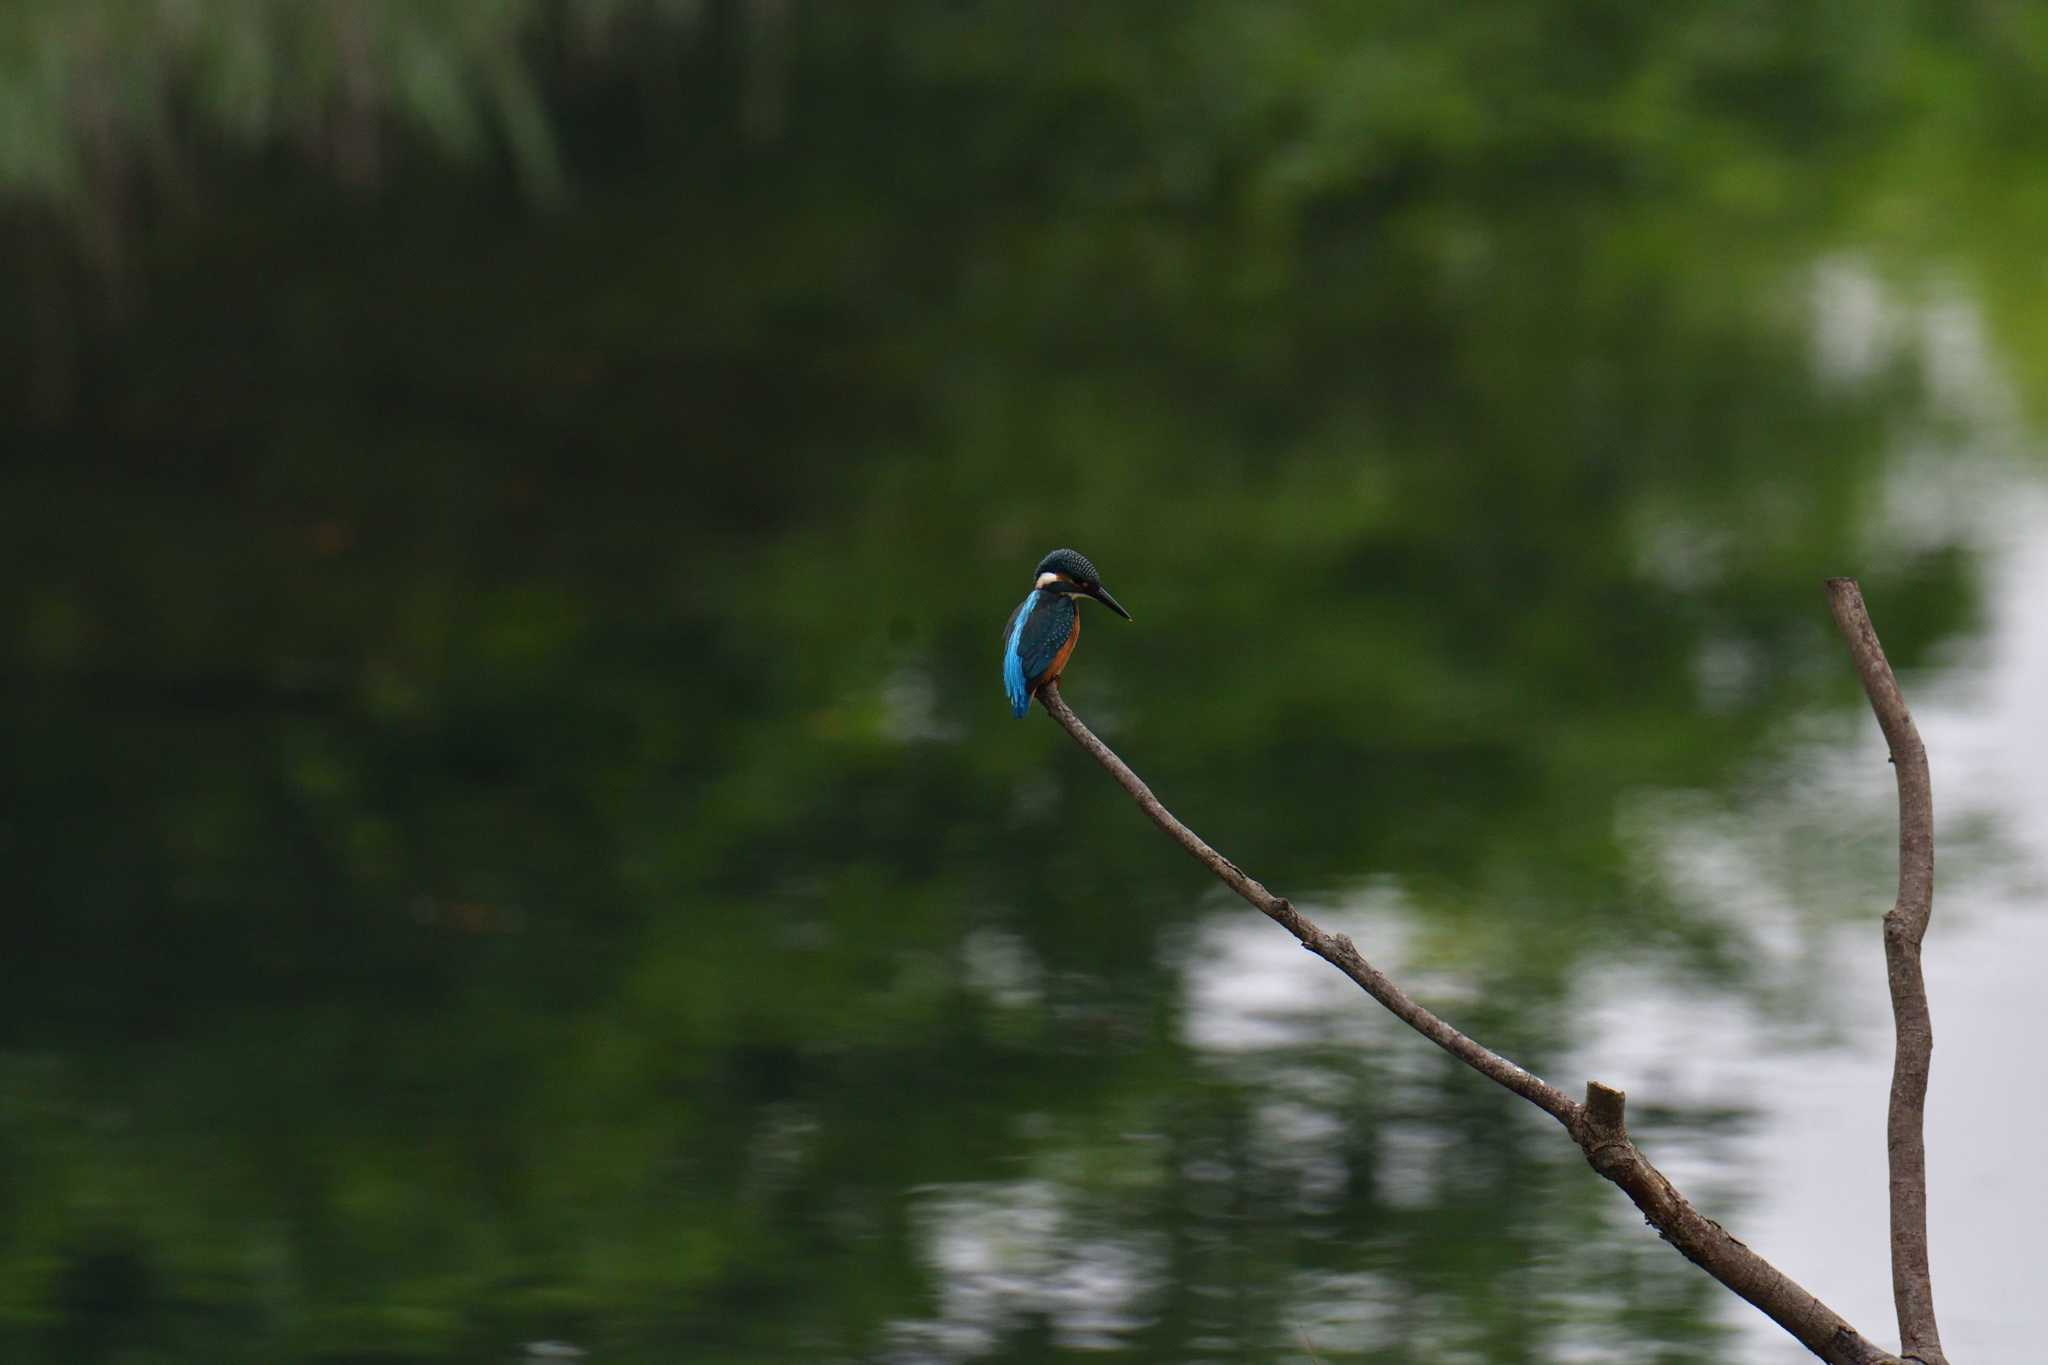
(1059, 660)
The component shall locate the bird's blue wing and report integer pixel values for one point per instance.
(1013, 662)
(1038, 631)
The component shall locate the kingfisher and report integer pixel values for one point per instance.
(1041, 632)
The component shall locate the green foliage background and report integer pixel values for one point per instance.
(511, 505)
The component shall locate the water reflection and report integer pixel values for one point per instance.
(1015, 1253)
(519, 848)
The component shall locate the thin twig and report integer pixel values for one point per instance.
(1598, 1126)
(1904, 926)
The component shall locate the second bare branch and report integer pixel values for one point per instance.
(1904, 926)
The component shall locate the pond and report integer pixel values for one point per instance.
(520, 851)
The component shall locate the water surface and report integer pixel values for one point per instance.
(518, 844)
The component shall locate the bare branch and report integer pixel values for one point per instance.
(1904, 927)
(1597, 1126)
(1335, 949)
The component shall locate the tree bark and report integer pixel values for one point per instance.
(1904, 926)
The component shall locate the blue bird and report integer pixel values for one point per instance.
(1041, 632)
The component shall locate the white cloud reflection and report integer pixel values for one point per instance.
(1010, 1251)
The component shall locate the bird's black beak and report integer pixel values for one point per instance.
(1101, 594)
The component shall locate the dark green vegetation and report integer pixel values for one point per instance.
(513, 809)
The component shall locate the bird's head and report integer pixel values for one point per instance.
(1069, 572)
